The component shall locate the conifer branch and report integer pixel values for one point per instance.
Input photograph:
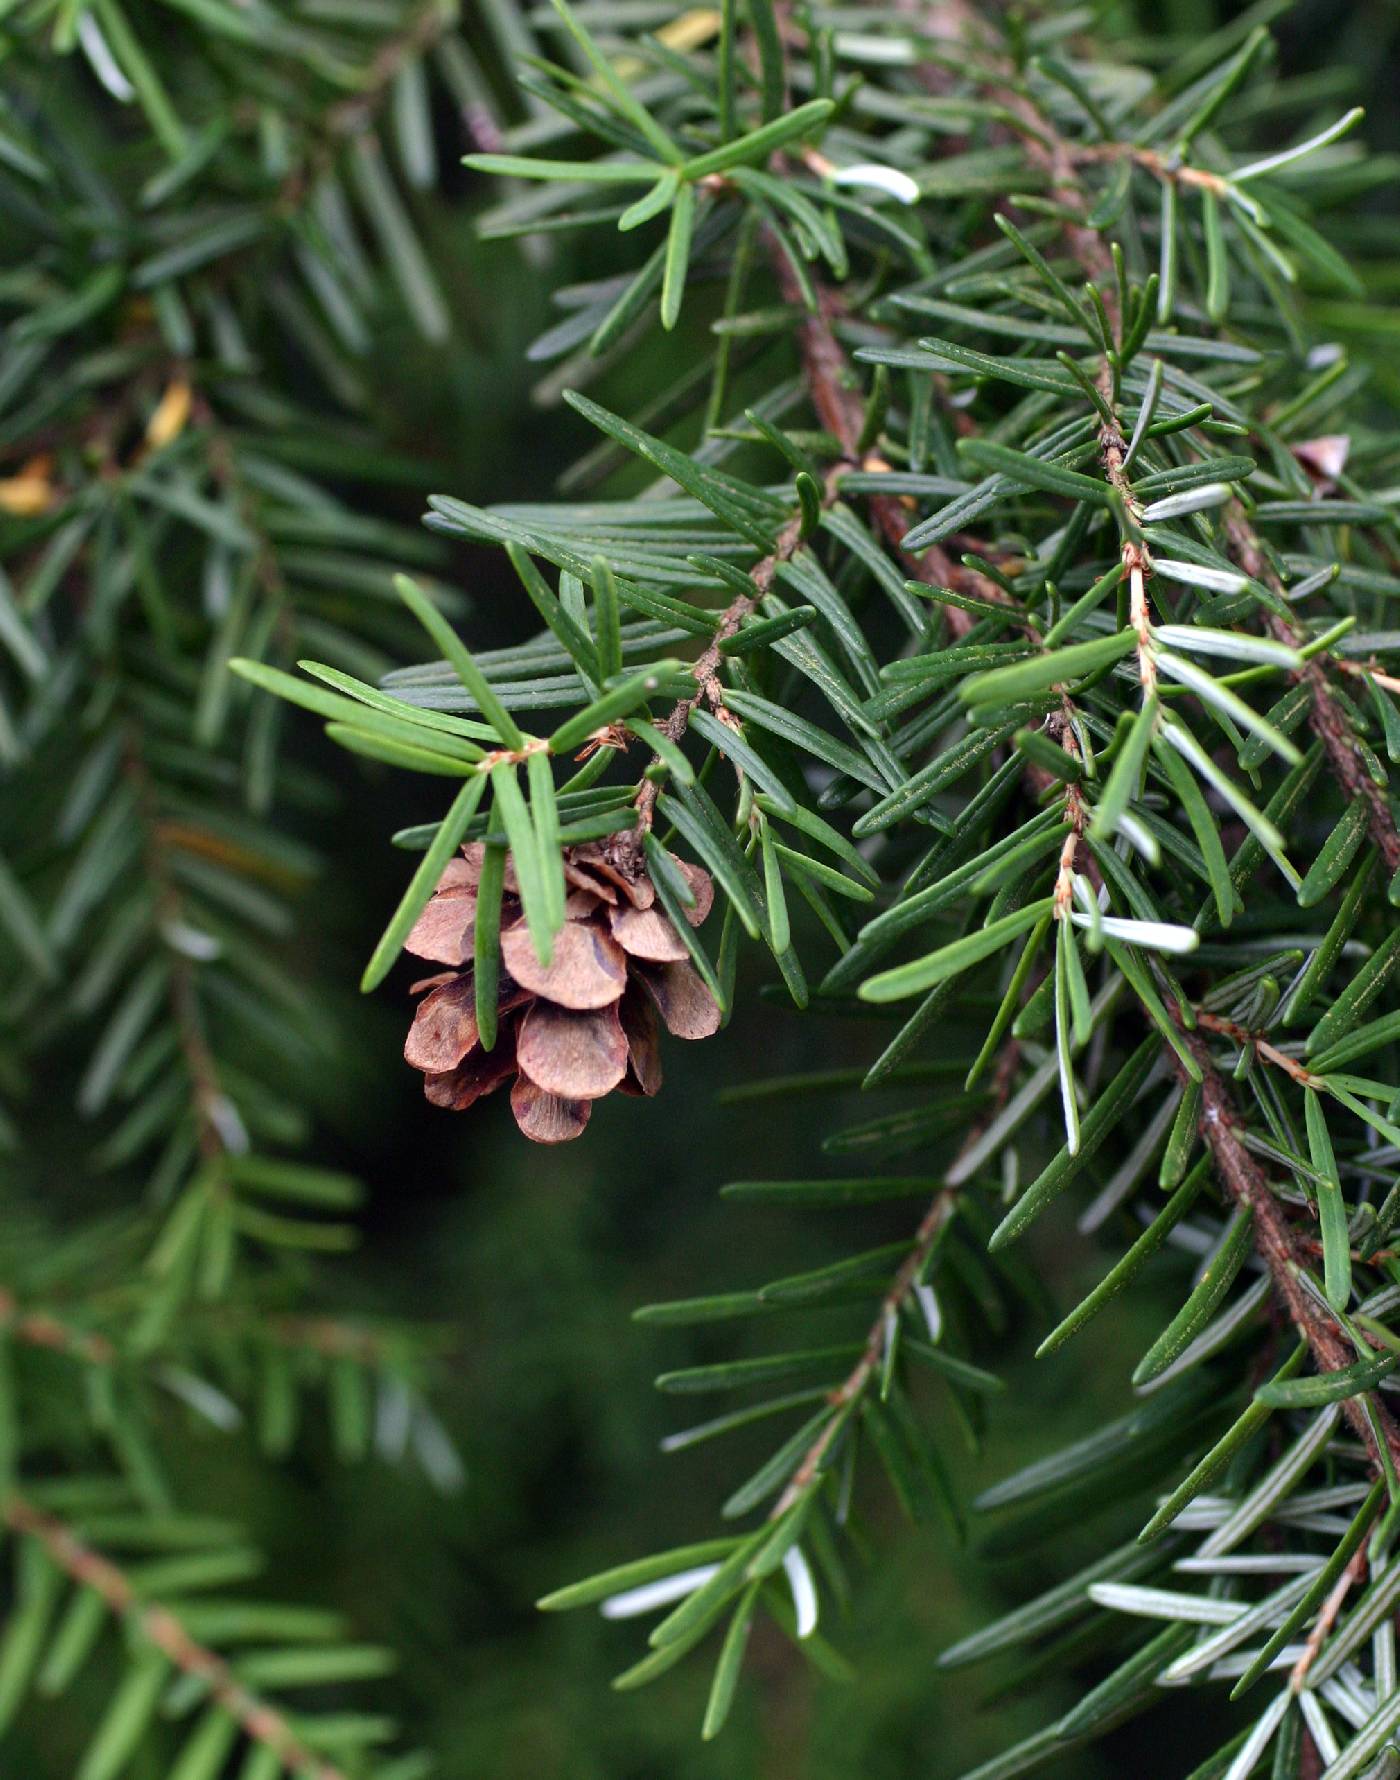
(208, 1101)
(982, 752)
(163, 1631)
(1276, 1241)
(847, 1395)
(828, 377)
(1329, 722)
(1219, 1121)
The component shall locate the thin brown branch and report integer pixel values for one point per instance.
(852, 1388)
(839, 408)
(37, 1328)
(1277, 1244)
(1270, 1053)
(1329, 721)
(163, 1631)
(348, 117)
(706, 669)
(327, 1336)
(1327, 1617)
(1160, 165)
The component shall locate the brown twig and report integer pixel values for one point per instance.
(351, 115)
(849, 1392)
(37, 1328)
(328, 1337)
(1327, 1618)
(1243, 1036)
(705, 672)
(1158, 164)
(160, 1628)
(853, 1387)
(1329, 721)
(322, 1335)
(839, 408)
(1276, 1242)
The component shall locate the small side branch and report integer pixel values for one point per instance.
(37, 1328)
(1329, 721)
(161, 1629)
(847, 1395)
(838, 406)
(1276, 1243)
(706, 669)
(853, 1387)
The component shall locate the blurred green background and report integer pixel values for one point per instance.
(532, 1260)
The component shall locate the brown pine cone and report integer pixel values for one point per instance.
(575, 1029)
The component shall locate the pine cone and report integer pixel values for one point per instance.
(575, 1029)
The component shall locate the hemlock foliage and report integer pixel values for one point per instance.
(998, 623)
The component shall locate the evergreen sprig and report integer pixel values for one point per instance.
(208, 210)
(1006, 584)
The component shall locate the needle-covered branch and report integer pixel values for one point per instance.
(980, 629)
(163, 1634)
